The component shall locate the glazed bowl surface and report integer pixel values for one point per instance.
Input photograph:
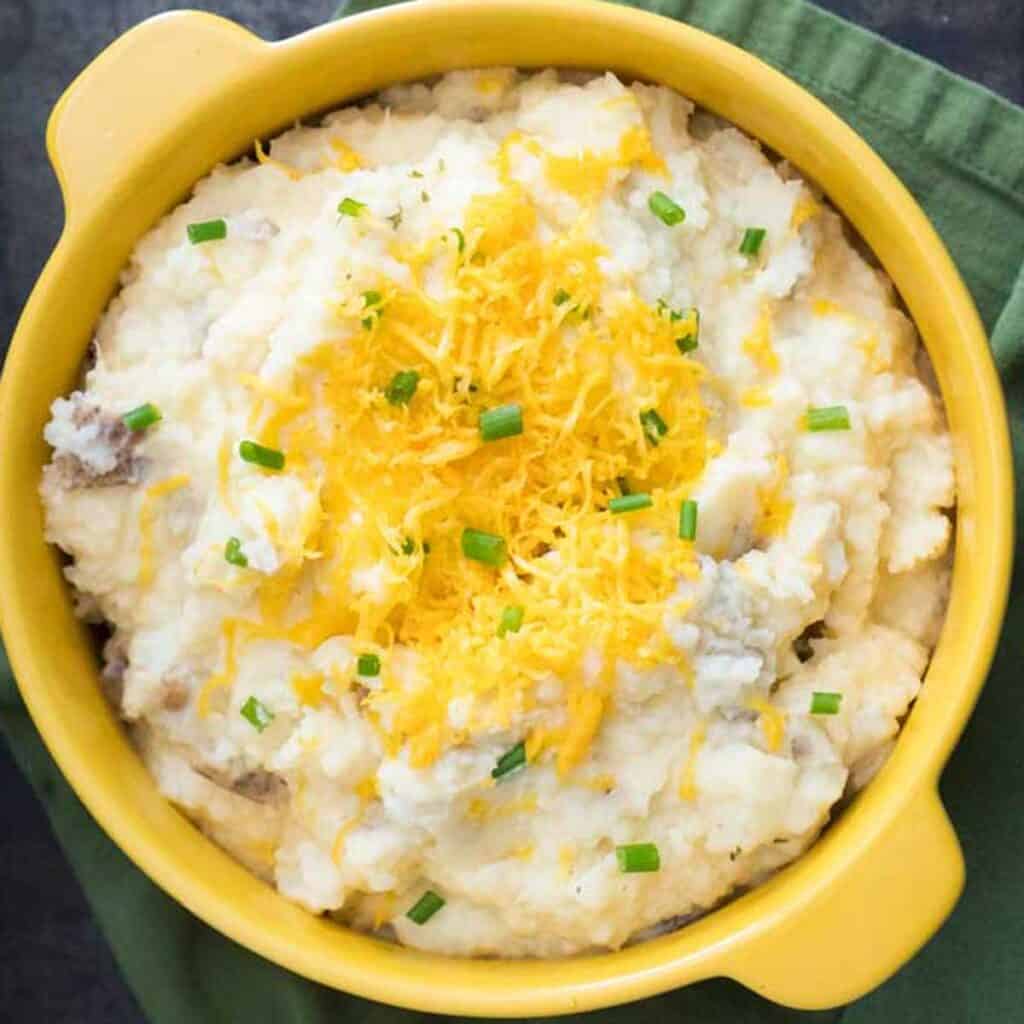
(182, 92)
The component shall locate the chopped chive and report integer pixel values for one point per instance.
(425, 907)
(402, 387)
(504, 421)
(561, 297)
(488, 548)
(668, 211)
(395, 218)
(351, 207)
(655, 428)
(233, 553)
(828, 417)
(368, 665)
(688, 520)
(142, 417)
(371, 299)
(825, 703)
(510, 761)
(752, 239)
(268, 458)
(623, 483)
(207, 231)
(630, 503)
(691, 339)
(257, 714)
(408, 546)
(637, 857)
(460, 239)
(511, 619)
(666, 311)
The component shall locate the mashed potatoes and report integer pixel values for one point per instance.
(529, 519)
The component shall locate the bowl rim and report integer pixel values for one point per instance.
(516, 987)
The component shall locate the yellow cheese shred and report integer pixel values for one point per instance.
(309, 689)
(773, 721)
(147, 520)
(688, 785)
(392, 479)
(805, 209)
(774, 509)
(346, 158)
(267, 161)
(758, 343)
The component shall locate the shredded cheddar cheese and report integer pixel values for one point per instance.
(267, 161)
(309, 689)
(390, 480)
(773, 721)
(806, 208)
(688, 785)
(755, 398)
(758, 343)
(774, 510)
(346, 158)
(147, 520)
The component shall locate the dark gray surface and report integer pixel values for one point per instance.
(55, 967)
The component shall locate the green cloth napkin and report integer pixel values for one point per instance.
(960, 149)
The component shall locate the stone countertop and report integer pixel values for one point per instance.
(55, 967)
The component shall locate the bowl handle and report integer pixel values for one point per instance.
(848, 937)
(121, 102)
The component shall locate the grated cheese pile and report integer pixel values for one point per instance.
(630, 713)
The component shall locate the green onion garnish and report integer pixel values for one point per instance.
(368, 665)
(561, 297)
(268, 458)
(425, 907)
(688, 520)
(668, 211)
(511, 619)
(504, 421)
(665, 310)
(654, 426)
(257, 714)
(752, 239)
(488, 548)
(371, 299)
(828, 417)
(402, 387)
(351, 207)
(142, 417)
(630, 503)
(510, 761)
(233, 553)
(636, 857)
(408, 546)
(825, 703)
(460, 239)
(690, 340)
(207, 231)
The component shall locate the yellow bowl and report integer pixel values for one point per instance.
(181, 92)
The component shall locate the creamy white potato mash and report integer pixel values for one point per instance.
(520, 512)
